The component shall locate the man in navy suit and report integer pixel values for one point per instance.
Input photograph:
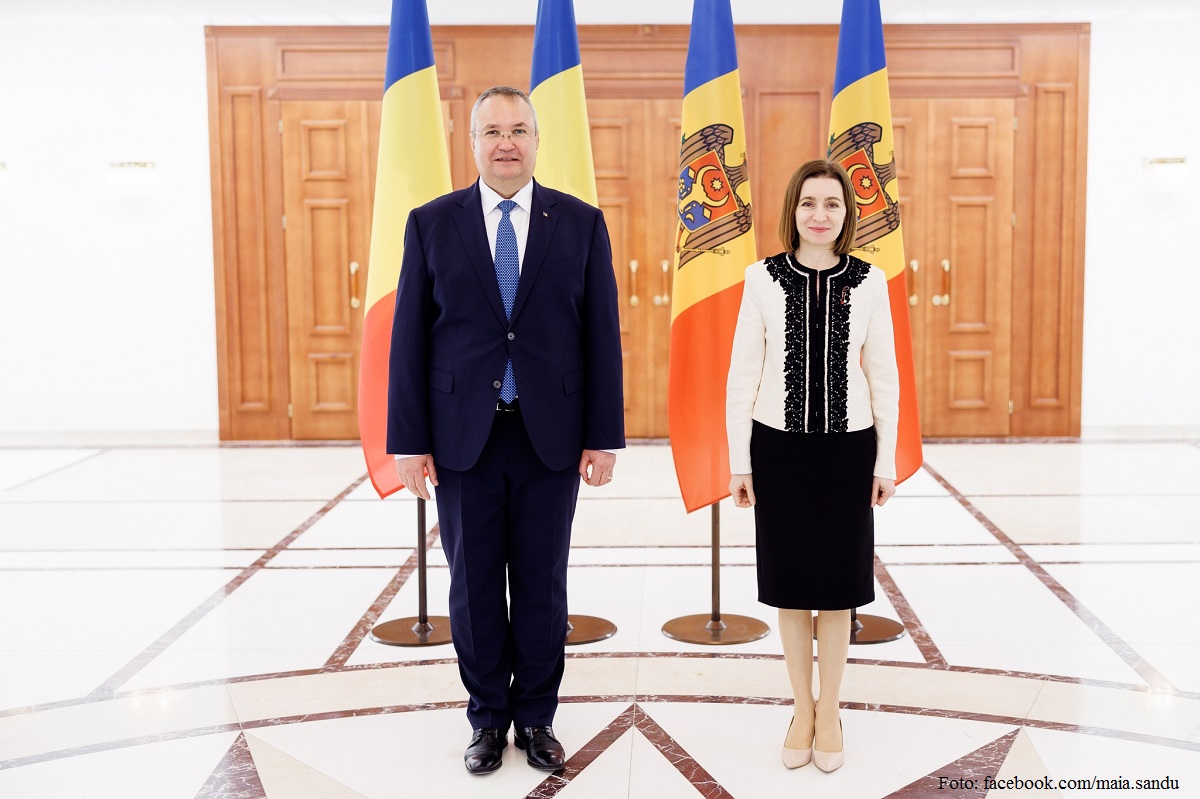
(505, 389)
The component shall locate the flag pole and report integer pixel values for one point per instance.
(423, 629)
(715, 628)
(402, 184)
(564, 161)
(714, 242)
(861, 139)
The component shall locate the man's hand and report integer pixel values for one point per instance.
(741, 488)
(412, 473)
(596, 467)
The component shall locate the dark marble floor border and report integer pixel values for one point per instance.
(634, 716)
(1015, 721)
(110, 686)
(64, 467)
(235, 777)
(1105, 633)
(370, 618)
(582, 655)
(986, 761)
(908, 617)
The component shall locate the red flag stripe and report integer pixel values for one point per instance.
(701, 345)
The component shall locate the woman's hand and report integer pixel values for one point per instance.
(741, 488)
(882, 490)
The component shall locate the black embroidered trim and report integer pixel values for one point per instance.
(816, 322)
(795, 314)
(837, 379)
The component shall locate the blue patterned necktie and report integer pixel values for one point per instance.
(507, 273)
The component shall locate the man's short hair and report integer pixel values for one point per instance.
(510, 93)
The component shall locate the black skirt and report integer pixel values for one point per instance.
(815, 532)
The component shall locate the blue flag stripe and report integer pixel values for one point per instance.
(712, 47)
(410, 45)
(860, 43)
(555, 41)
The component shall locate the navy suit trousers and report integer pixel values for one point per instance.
(506, 531)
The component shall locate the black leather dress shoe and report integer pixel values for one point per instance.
(542, 749)
(486, 751)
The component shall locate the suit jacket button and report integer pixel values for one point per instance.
(511, 336)
(497, 384)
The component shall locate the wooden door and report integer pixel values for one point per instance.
(328, 176)
(635, 149)
(786, 74)
(956, 170)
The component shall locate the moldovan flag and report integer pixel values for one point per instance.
(413, 169)
(714, 243)
(860, 139)
(564, 159)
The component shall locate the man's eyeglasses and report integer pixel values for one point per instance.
(516, 135)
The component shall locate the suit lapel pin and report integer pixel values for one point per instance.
(545, 214)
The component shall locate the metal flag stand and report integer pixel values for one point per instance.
(715, 628)
(868, 629)
(588, 629)
(423, 629)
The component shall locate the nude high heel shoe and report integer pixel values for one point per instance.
(830, 761)
(795, 758)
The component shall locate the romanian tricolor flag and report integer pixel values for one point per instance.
(413, 169)
(860, 138)
(714, 243)
(564, 159)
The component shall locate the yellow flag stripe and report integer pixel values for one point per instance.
(867, 100)
(565, 150)
(718, 101)
(413, 169)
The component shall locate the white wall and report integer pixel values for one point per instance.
(1141, 342)
(106, 288)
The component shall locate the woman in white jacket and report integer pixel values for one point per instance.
(812, 405)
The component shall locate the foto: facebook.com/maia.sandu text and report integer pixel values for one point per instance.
(1018, 783)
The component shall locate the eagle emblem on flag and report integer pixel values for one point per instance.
(710, 210)
(878, 214)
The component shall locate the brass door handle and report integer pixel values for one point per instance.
(913, 299)
(354, 300)
(633, 297)
(945, 281)
(665, 297)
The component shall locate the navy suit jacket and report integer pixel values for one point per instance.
(451, 339)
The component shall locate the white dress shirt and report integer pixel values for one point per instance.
(519, 216)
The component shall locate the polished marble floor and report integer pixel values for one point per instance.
(193, 621)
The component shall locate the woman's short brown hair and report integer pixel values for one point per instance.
(818, 168)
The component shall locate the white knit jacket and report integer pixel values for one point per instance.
(813, 352)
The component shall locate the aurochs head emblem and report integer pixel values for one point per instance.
(878, 214)
(710, 210)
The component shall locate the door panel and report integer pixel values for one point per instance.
(909, 135)
(327, 176)
(969, 336)
(956, 155)
(617, 127)
(786, 72)
(664, 133)
(956, 182)
(635, 149)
